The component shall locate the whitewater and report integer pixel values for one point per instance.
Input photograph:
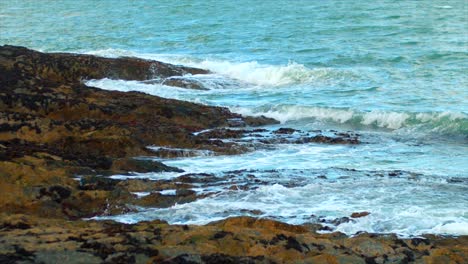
(395, 73)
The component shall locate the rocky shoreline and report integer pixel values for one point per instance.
(60, 139)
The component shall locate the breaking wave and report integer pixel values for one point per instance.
(445, 122)
(250, 72)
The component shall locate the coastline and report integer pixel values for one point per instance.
(54, 128)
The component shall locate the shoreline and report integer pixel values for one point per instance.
(54, 128)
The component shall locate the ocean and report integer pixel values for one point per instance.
(393, 71)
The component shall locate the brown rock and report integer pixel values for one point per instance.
(359, 214)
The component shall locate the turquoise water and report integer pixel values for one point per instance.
(394, 71)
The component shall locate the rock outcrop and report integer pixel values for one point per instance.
(60, 139)
(53, 127)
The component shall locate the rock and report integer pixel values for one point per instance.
(235, 240)
(359, 214)
(142, 166)
(328, 140)
(54, 128)
(97, 183)
(221, 134)
(284, 130)
(56, 193)
(184, 83)
(252, 212)
(259, 121)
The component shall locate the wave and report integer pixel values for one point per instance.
(251, 72)
(451, 122)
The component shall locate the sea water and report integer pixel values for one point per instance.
(392, 71)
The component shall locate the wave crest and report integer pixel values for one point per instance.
(250, 72)
(433, 121)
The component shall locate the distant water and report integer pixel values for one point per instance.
(393, 71)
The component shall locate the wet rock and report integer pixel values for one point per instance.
(184, 83)
(327, 140)
(284, 130)
(359, 214)
(239, 187)
(259, 121)
(164, 201)
(221, 134)
(142, 166)
(252, 212)
(197, 178)
(339, 221)
(185, 192)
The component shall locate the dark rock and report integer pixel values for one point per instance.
(339, 221)
(142, 166)
(293, 244)
(325, 228)
(259, 121)
(284, 130)
(221, 234)
(56, 193)
(417, 241)
(97, 183)
(185, 192)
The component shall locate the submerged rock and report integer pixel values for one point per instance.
(184, 83)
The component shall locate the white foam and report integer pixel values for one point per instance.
(154, 89)
(385, 198)
(168, 192)
(451, 228)
(259, 74)
(141, 194)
